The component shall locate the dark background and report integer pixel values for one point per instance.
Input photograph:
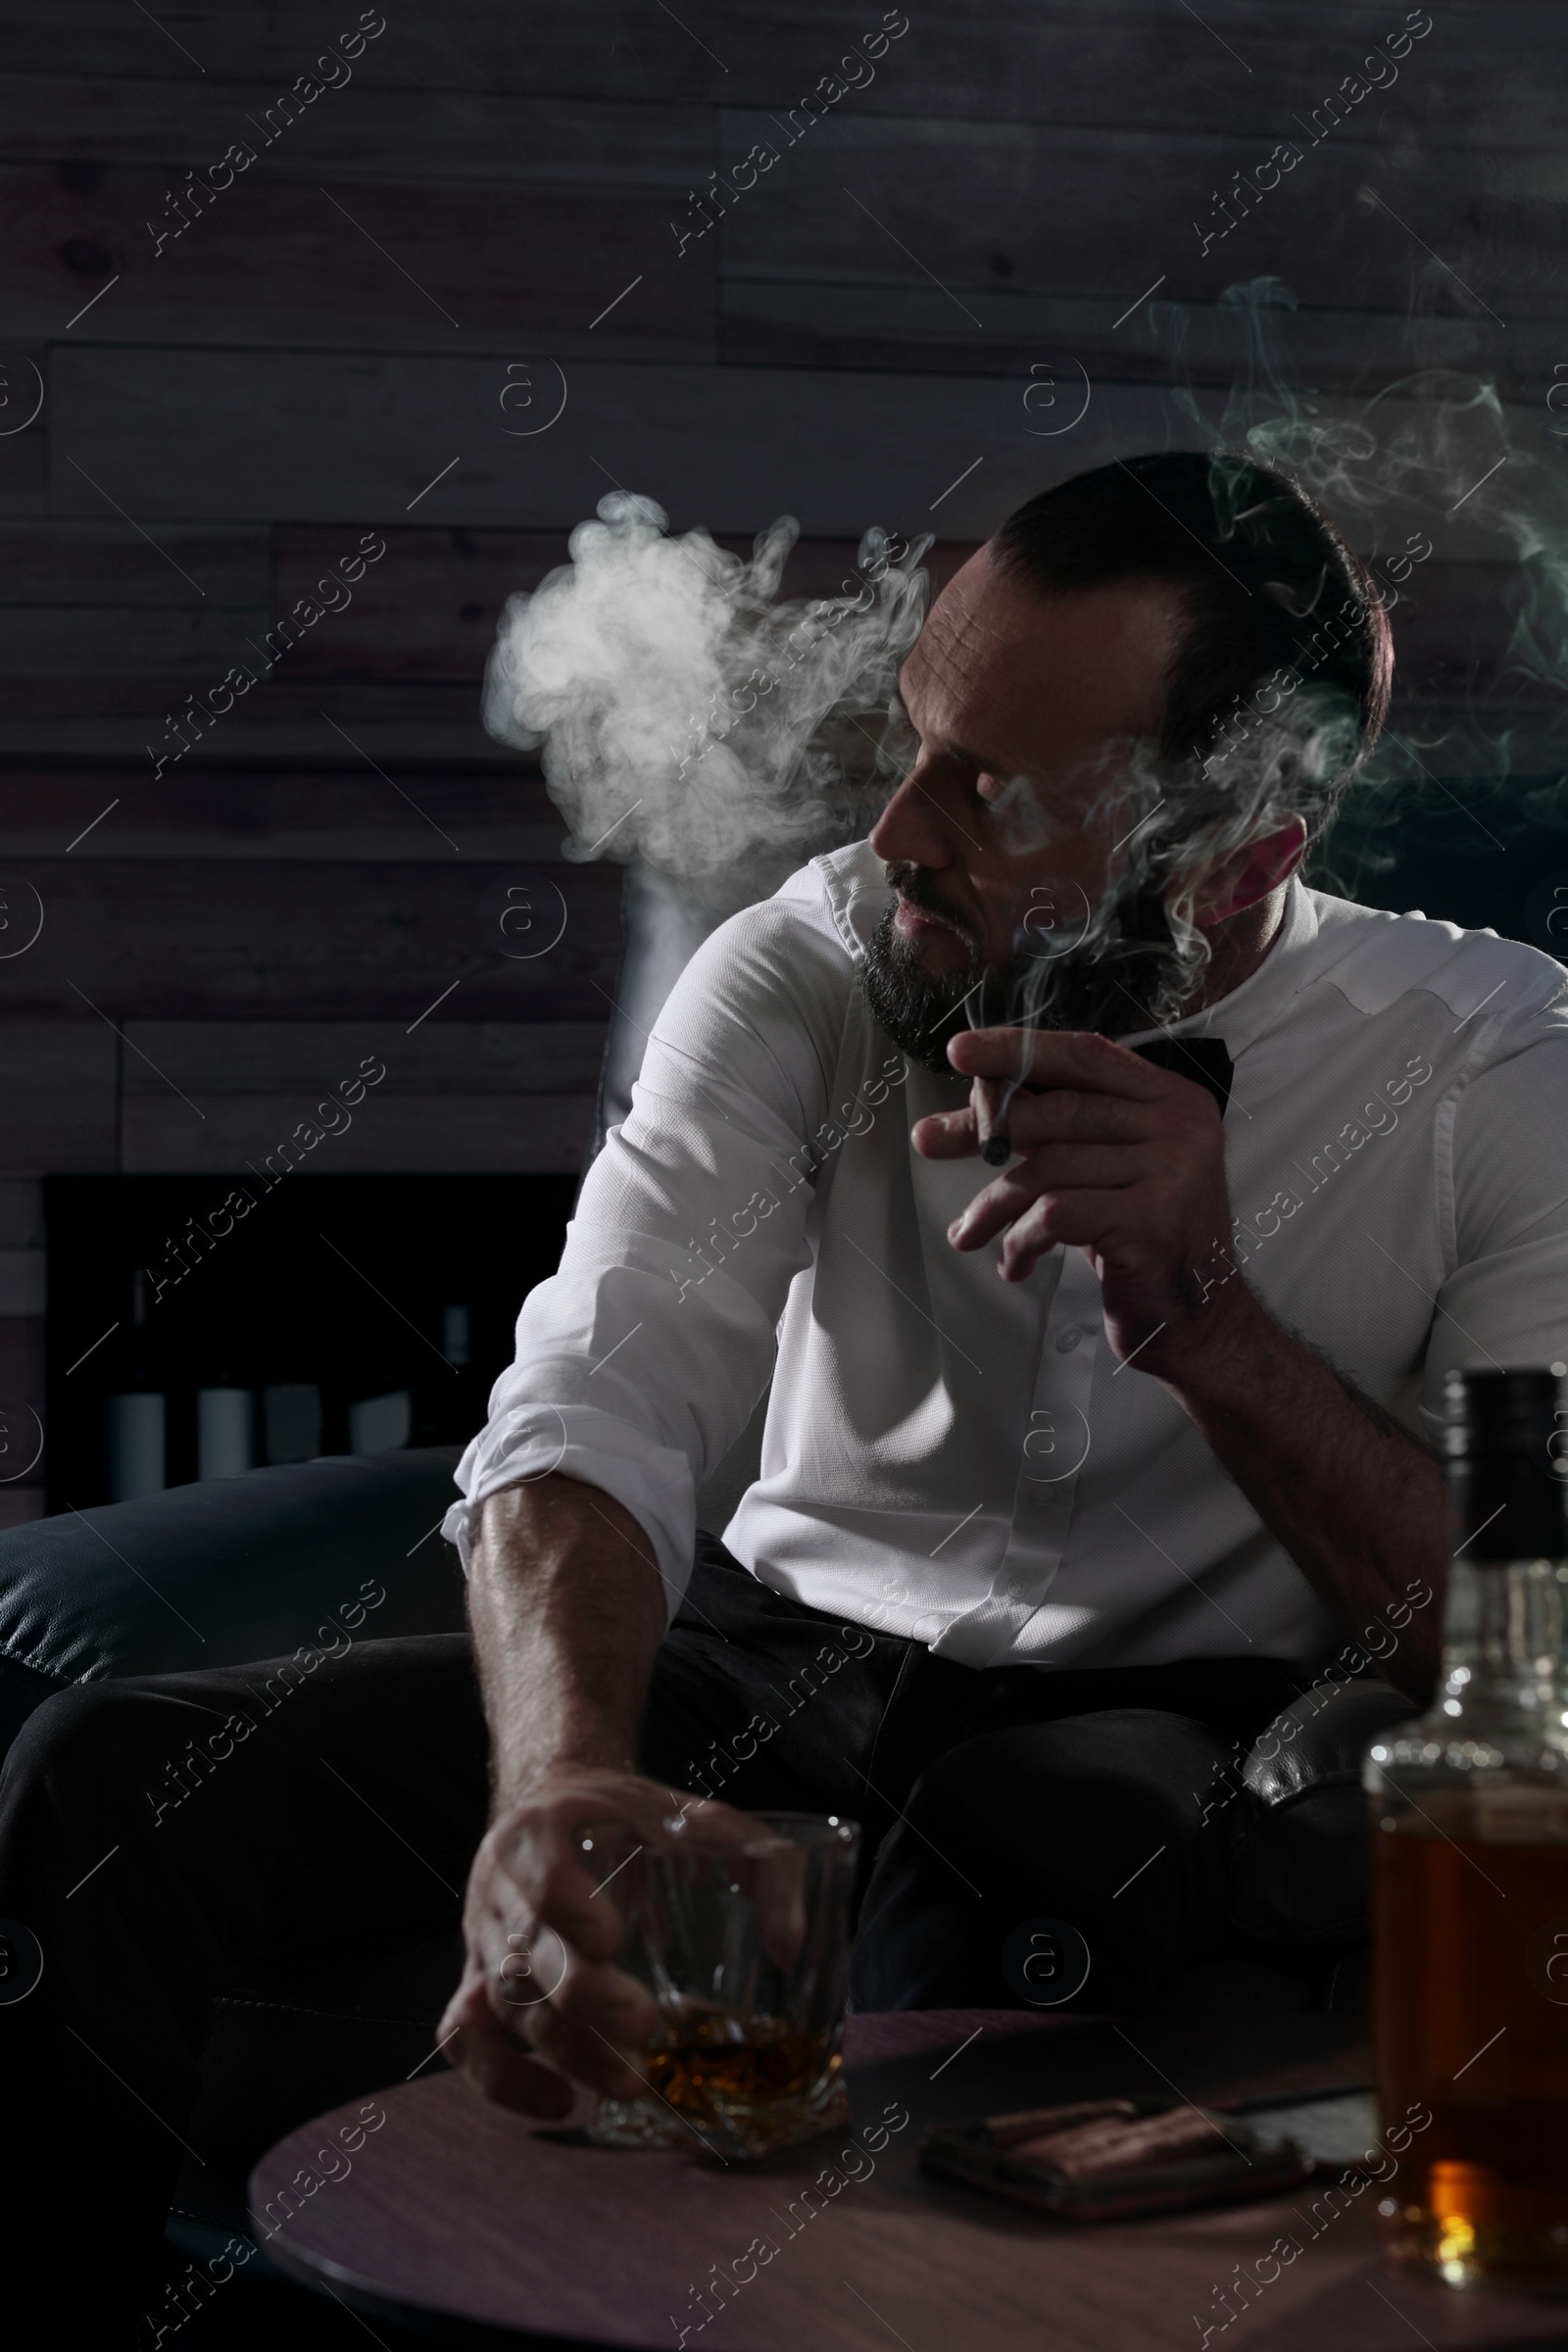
(340, 1280)
(324, 353)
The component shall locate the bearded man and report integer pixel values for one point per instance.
(1075, 1473)
(1072, 1480)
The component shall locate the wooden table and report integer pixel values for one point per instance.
(484, 2229)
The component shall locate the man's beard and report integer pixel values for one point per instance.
(1126, 975)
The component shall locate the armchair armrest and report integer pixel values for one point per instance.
(1301, 1861)
(230, 1569)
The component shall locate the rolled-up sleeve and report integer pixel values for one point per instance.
(641, 1359)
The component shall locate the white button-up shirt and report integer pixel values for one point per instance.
(961, 1461)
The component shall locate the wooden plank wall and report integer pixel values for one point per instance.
(208, 396)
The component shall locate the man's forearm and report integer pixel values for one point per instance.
(568, 1612)
(1356, 1502)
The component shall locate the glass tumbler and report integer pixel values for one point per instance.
(748, 1958)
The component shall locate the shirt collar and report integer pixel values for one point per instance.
(1259, 1002)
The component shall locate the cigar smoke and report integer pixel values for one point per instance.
(1432, 469)
(1434, 466)
(691, 720)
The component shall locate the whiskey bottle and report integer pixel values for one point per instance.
(1470, 1866)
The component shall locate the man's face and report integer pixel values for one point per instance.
(1000, 839)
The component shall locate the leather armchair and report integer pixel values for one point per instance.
(218, 1574)
(222, 1572)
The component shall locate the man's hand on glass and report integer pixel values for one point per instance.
(542, 2008)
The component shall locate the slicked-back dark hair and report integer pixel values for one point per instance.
(1265, 582)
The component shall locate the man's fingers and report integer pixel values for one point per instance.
(607, 1999)
(523, 1973)
(542, 1883)
(1085, 1174)
(565, 1858)
(582, 2048)
(511, 2077)
(1073, 1057)
(1070, 1218)
(521, 2052)
(1032, 1120)
(1033, 1221)
(481, 2048)
(1059, 1116)
(945, 1135)
(1087, 1171)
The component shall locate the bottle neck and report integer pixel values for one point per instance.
(1504, 1626)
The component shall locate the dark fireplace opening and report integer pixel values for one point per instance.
(331, 1314)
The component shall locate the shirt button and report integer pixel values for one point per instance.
(1014, 1588)
(1068, 1339)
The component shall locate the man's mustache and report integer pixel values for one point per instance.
(914, 884)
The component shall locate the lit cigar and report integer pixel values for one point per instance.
(989, 1100)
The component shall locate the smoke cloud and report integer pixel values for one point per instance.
(692, 722)
(1432, 463)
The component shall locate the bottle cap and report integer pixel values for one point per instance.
(1505, 1436)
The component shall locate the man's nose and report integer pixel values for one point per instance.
(914, 826)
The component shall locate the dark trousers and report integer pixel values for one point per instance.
(256, 1831)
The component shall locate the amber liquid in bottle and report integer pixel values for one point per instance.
(1470, 1928)
(1470, 1870)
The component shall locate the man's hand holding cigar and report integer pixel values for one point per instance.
(1113, 1156)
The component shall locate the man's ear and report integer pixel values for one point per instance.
(1249, 874)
